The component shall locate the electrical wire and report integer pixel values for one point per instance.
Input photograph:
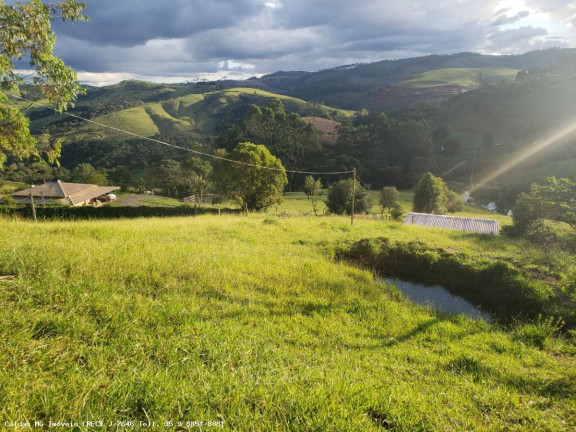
(176, 146)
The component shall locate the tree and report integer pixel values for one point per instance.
(554, 200)
(25, 31)
(198, 170)
(340, 198)
(202, 168)
(255, 186)
(86, 173)
(430, 195)
(387, 199)
(397, 211)
(122, 176)
(169, 177)
(311, 186)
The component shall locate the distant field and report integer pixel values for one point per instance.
(7, 186)
(297, 203)
(463, 77)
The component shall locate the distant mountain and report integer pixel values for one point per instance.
(374, 85)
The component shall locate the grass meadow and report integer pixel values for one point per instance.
(465, 77)
(251, 321)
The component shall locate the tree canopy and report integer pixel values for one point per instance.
(553, 200)
(25, 32)
(340, 198)
(430, 195)
(388, 199)
(250, 186)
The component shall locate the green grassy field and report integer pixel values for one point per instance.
(464, 77)
(252, 322)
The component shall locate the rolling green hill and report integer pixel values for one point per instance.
(131, 106)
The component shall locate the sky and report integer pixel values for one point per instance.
(187, 40)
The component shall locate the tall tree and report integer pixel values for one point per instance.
(430, 195)
(87, 174)
(25, 31)
(254, 184)
(311, 186)
(387, 199)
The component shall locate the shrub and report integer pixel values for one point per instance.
(340, 198)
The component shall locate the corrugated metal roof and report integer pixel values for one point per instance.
(480, 226)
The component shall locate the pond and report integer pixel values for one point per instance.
(438, 297)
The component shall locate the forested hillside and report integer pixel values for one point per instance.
(467, 111)
(368, 85)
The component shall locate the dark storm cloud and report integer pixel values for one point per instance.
(132, 22)
(184, 37)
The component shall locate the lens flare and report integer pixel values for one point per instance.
(525, 154)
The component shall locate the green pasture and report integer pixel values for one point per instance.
(7, 186)
(463, 77)
(251, 321)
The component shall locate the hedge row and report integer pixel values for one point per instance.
(497, 287)
(106, 212)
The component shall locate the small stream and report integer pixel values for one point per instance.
(437, 297)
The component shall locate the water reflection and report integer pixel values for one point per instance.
(437, 297)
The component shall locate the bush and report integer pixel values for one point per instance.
(340, 198)
(396, 212)
(80, 213)
(455, 202)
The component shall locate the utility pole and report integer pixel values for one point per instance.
(33, 208)
(353, 196)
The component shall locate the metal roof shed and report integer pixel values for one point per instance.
(479, 226)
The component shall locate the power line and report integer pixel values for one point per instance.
(176, 146)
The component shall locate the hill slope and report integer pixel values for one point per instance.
(134, 107)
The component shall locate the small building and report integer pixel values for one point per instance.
(73, 194)
(479, 226)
